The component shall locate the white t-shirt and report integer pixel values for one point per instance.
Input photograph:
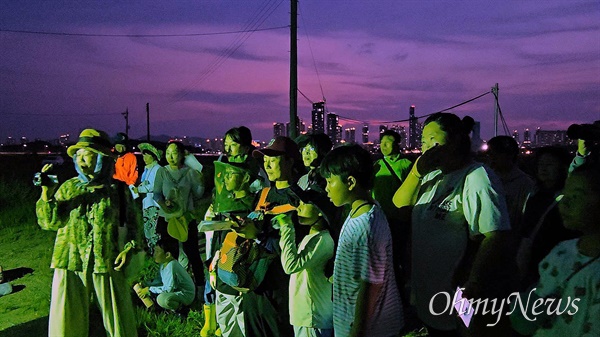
(445, 206)
(310, 290)
(364, 253)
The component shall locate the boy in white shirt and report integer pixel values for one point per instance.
(173, 287)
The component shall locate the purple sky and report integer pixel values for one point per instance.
(374, 60)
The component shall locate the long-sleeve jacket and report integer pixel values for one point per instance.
(86, 219)
(126, 169)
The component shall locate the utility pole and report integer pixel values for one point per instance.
(496, 112)
(293, 133)
(148, 122)
(126, 115)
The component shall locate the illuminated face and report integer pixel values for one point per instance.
(120, 148)
(337, 190)
(432, 135)
(388, 146)
(278, 168)
(308, 214)
(159, 255)
(309, 155)
(233, 179)
(174, 157)
(148, 158)
(86, 160)
(231, 147)
(580, 206)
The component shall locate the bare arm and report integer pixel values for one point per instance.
(365, 307)
(406, 195)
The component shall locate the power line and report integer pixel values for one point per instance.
(60, 114)
(423, 116)
(303, 95)
(139, 35)
(313, 57)
(258, 18)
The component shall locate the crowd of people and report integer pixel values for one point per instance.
(302, 238)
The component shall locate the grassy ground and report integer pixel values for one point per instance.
(25, 252)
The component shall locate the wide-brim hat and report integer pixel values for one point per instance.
(94, 140)
(151, 148)
(243, 168)
(278, 147)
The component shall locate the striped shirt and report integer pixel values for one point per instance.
(364, 253)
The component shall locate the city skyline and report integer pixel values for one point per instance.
(370, 61)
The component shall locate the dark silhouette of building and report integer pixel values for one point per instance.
(278, 129)
(414, 130)
(365, 133)
(332, 127)
(318, 114)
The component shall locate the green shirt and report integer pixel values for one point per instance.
(386, 184)
(86, 220)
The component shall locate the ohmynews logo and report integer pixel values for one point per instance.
(466, 308)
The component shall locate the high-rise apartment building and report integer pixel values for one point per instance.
(414, 130)
(527, 138)
(332, 127)
(350, 135)
(551, 138)
(515, 136)
(278, 129)
(365, 133)
(318, 114)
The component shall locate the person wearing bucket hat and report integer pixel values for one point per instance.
(311, 305)
(222, 302)
(87, 212)
(151, 156)
(126, 168)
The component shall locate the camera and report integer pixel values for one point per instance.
(589, 132)
(44, 179)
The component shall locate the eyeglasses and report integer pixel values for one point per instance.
(308, 149)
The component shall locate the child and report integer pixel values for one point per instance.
(311, 307)
(572, 269)
(174, 286)
(232, 182)
(366, 300)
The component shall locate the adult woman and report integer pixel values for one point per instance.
(313, 147)
(86, 213)
(151, 156)
(456, 204)
(542, 225)
(266, 311)
(176, 188)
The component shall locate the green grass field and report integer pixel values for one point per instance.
(25, 252)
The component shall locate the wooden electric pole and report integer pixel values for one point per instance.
(293, 131)
(126, 115)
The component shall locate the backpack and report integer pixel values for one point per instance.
(243, 263)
